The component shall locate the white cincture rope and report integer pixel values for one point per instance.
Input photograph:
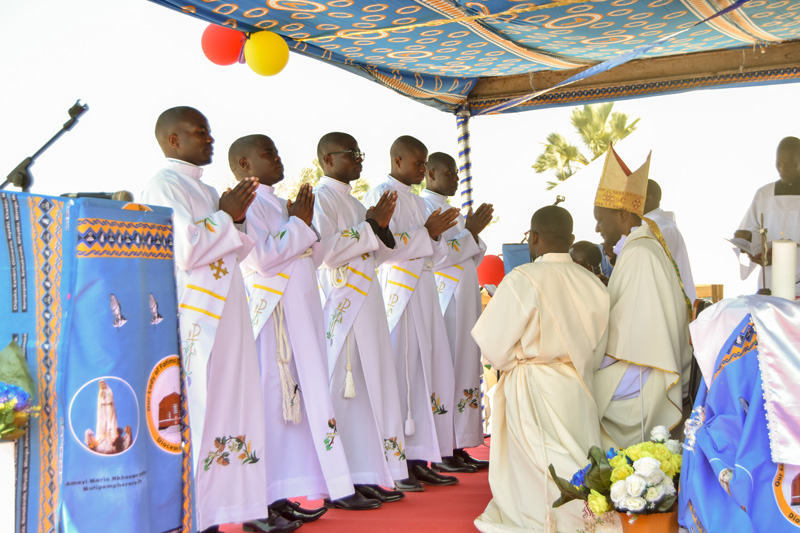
(289, 389)
(641, 400)
(339, 280)
(549, 522)
(307, 253)
(339, 276)
(349, 384)
(411, 427)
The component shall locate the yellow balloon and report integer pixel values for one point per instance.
(266, 53)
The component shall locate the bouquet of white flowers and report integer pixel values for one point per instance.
(637, 480)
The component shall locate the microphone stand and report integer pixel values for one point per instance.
(20, 176)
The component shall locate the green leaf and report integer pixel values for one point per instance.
(599, 475)
(567, 489)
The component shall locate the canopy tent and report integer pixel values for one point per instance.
(474, 58)
(476, 55)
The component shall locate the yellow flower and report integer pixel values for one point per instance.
(621, 472)
(677, 461)
(618, 461)
(661, 453)
(634, 452)
(598, 503)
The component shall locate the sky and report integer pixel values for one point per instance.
(130, 59)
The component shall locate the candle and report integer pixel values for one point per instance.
(784, 266)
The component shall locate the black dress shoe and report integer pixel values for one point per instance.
(468, 459)
(409, 484)
(274, 523)
(376, 492)
(455, 465)
(426, 475)
(354, 502)
(292, 511)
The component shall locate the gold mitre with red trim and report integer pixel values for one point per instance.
(619, 187)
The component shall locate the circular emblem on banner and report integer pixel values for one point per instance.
(104, 416)
(163, 404)
(786, 487)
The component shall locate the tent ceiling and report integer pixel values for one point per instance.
(448, 54)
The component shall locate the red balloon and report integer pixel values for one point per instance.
(490, 271)
(222, 45)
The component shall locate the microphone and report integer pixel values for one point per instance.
(121, 196)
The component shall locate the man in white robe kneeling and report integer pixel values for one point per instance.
(545, 329)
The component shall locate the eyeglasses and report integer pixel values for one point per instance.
(355, 154)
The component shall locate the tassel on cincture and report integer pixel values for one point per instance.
(349, 385)
(411, 427)
(549, 523)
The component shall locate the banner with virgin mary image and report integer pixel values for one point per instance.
(94, 313)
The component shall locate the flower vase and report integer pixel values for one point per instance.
(651, 523)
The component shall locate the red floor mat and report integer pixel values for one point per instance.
(437, 510)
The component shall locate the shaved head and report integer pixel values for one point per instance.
(791, 144)
(183, 133)
(440, 159)
(330, 142)
(554, 225)
(652, 196)
(408, 158)
(405, 143)
(169, 120)
(242, 147)
(787, 160)
(586, 254)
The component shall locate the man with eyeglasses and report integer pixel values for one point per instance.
(363, 385)
(419, 339)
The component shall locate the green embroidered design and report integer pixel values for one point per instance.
(352, 233)
(454, 244)
(330, 437)
(208, 224)
(437, 406)
(280, 235)
(393, 446)
(336, 318)
(403, 237)
(470, 400)
(225, 446)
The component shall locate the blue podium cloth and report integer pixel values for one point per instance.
(515, 255)
(88, 291)
(728, 480)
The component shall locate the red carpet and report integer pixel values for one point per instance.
(437, 510)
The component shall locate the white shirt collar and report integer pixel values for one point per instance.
(335, 184)
(399, 186)
(182, 167)
(435, 196)
(265, 189)
(554, 258)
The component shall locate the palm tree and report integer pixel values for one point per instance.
(597, 128)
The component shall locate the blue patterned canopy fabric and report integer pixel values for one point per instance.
(435, 51)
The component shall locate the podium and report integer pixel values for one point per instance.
(87, 288)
